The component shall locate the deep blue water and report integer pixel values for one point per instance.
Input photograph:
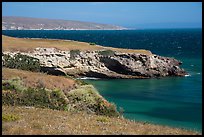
(173, 101)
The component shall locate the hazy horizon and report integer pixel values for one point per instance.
(133, 15)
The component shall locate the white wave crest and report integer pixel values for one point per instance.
(87, 78)
(187, 75)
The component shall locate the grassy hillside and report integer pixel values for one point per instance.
(30, 120)
(25, 45)
(37, 103)
(24, 88)
(36, 79)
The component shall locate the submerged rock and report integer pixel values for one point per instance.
(95, 64)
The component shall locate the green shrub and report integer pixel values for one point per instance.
(35, 97)
(74, 53)
(102, 119)
(13, 84)
(102, 109)
(10, 117)
(7, 86)
(81, 82)
(91, 43)
(106, 53)
(14, 94)
(57, 99)
(24, 62)
(87, 98)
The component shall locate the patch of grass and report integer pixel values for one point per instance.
(25, 45)
(69, 76)
(106, 53)
(10, 117)
(103, 119)
(37, 125)
(39, 80)
(42, 98)
(73, 54)
(41, 84)
(81, 82)
(35, 121)
(92, 43)
(14, 83)
(14, 94)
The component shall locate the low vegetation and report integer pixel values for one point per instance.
(73, 54)
(25, 45)
(37, 121)
(81, 98)
(38, 97)
(106, 53)
(91, 43)
(39, 80)
(10, 117)
(81, 82)
(88, 99)
(19, 61)
(103, 119)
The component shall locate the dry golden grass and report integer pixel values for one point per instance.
(46, 121)
(25, 45)
(33, 79)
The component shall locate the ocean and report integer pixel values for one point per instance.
(171, 101)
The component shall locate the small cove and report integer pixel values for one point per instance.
(172, 101)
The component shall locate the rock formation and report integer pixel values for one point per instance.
(102, 64)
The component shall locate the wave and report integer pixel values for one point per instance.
(193, 74)
(87, 78)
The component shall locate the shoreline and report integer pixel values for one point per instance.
(14, 41)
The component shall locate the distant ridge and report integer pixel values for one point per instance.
(27, 23)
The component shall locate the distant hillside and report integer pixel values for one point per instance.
(24, 23)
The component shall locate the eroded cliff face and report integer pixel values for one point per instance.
(95, 64)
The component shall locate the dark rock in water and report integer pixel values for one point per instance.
(118, 65)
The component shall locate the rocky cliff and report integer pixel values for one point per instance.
(104, 63)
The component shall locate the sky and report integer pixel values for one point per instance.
(138, 15)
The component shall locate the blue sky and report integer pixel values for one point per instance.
(128, 14)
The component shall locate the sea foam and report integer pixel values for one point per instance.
(87, 78)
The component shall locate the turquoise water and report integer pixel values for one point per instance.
(167, 101)
(172, 101)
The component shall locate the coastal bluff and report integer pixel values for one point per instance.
(98, 63)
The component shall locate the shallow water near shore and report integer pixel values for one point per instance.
(160, 101)
(172, 101)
